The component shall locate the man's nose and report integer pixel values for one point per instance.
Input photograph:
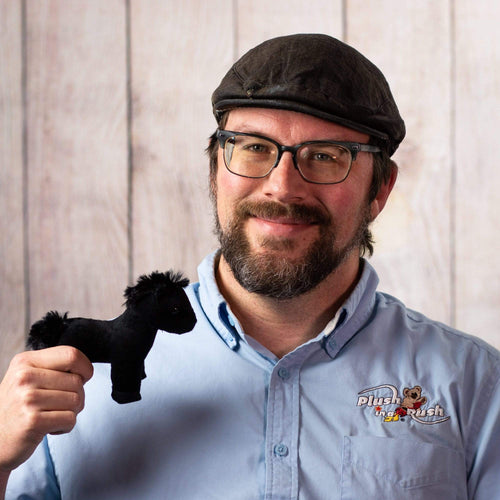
(285, 182)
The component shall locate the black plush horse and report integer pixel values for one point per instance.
(156, 302)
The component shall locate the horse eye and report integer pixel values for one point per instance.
(175, 310)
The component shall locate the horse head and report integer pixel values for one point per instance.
(160, 297)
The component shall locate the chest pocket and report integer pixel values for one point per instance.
(389, 468)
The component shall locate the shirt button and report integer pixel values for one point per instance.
(283, 373)
(281, 450)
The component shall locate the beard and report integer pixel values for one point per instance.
(273, 275)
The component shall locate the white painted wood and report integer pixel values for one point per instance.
(477, 151)
(267, 19)
(12, 293)
(180, 50)
(77, 156)
(410, 42)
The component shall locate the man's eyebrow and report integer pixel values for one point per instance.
(315, 139)
(246, 130)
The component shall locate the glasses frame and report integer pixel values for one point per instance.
(353, 147)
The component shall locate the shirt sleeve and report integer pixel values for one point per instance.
(35, 479)
(484, 454)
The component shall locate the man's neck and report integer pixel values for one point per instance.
(283, 325)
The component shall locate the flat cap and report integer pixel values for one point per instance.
(318, 75)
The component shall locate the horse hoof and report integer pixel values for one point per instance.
(125, 397)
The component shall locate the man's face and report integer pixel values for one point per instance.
(281, 235)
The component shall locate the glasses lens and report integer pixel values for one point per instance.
(249, 156)
(323, 162)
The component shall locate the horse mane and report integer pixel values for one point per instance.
(148, 284)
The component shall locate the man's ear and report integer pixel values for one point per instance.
(380, 200)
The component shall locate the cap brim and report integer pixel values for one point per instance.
(228, 104)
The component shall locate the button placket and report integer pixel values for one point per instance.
(282, 432)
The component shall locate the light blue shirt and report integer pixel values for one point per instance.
(383, 404)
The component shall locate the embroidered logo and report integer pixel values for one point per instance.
(392, 407)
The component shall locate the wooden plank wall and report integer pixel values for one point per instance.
(105, 112)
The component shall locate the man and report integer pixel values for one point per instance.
(299, 380)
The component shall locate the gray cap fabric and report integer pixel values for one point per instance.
(317, 75)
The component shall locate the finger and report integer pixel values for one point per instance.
(61, 358)
(43, 378)
(64, 420)
(54, 422)
(52, 400)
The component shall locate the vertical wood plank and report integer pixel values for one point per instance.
(180, 50)
(412, 251)
(77, 156)
(12, 293)
(477, 154)
(285, 17)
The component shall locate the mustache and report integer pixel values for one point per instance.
(269, 209)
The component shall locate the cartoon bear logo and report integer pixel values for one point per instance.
(409, 404)
(413, 400)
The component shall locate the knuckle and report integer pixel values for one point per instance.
(75, 384)
(69, 421)
(29, 397)
(71, 355)
(91, 370)
(75, 400)
(23, 376)
(74, 380)
(20, 359)
(81, 401)
(33, 421)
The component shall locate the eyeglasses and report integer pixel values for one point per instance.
(319, 162)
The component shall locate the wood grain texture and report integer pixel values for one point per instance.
(77, 156)
(412, 252)
(284, 17)
(180, 51)
(12, 293)
(477, 152)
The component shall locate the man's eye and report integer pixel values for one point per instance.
(323, 157)
(256, 148)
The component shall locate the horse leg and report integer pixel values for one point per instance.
(126, 380)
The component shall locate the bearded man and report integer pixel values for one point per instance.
(291, 384)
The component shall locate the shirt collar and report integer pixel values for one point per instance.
(349, 318)
(355, 311)
(214, 304)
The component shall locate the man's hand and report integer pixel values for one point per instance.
(41, 393)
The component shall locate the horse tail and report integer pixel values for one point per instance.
(47, 331)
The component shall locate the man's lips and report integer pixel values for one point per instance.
(285, 220)
(281, 226)
(275, 219)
